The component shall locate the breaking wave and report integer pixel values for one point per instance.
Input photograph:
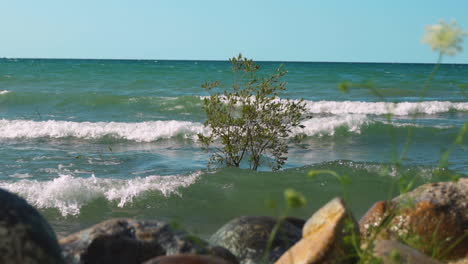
(157, 130)
(382, 108)
(68, 193)
(139, 132)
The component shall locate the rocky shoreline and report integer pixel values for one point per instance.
(427, 225)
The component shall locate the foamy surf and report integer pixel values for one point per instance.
(139, 132)
(4, 92)
(382, 108)
(156, 130)
(322, 126)
(69, 194)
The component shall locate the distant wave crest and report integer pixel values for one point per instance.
(191, 104)
(139, 132)
(321, 126)
(381, 108)
(156, 130)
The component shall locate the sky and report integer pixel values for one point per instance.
(294, 30)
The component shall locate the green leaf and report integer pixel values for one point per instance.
(294, 199)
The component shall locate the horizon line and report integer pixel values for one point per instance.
(216, 60)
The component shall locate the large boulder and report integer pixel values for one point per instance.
(247, 236)
(433, 219)
(325, 237)
(132, 241)
(393, 252)
(25, 236)
(187, 259)
(459, 261)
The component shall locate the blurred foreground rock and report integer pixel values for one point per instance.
(393, 252)
(187, 259)
(25, 236)
(246, 237)
(459, 261)
(132, 241)
(434, 216)
(323, 237)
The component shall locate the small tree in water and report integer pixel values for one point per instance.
(250, 120)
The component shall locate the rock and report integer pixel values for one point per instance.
(393, 252)
(373, 217)
(297, 222)
(459, 261)
(25, 236)
(323, 237)
(133, 241)
(246, 237)
(223, 253)
(435, 215)
(187, 259)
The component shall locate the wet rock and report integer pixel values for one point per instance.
(187, 259)
(246, 237)
(25, 236)
(133, 241)
(323, 237)
(393, 252)
(434, 216)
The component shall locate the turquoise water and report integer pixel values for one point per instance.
(86, 140)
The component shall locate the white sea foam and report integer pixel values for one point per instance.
(151, 131)
(4, 92)
(381, 108)
(155, 130)
(407, 124)
(69, 194)
(321, 126)
(140, 132)
(20, 175)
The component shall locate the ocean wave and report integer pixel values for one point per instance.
(156, 130)
(382, 108)
(99, 100)
(139, 132)
(321, 126)
(69, 194)
(193, 104)
(357, 169)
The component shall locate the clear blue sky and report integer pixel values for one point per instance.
(291, 30)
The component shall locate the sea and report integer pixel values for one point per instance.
(88, 140)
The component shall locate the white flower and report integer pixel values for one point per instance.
(445, 37)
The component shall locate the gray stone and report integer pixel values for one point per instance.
(393, 252)
(297, 222)
(25, 236)
(187, 259)
(133, 241)
(246, 237)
